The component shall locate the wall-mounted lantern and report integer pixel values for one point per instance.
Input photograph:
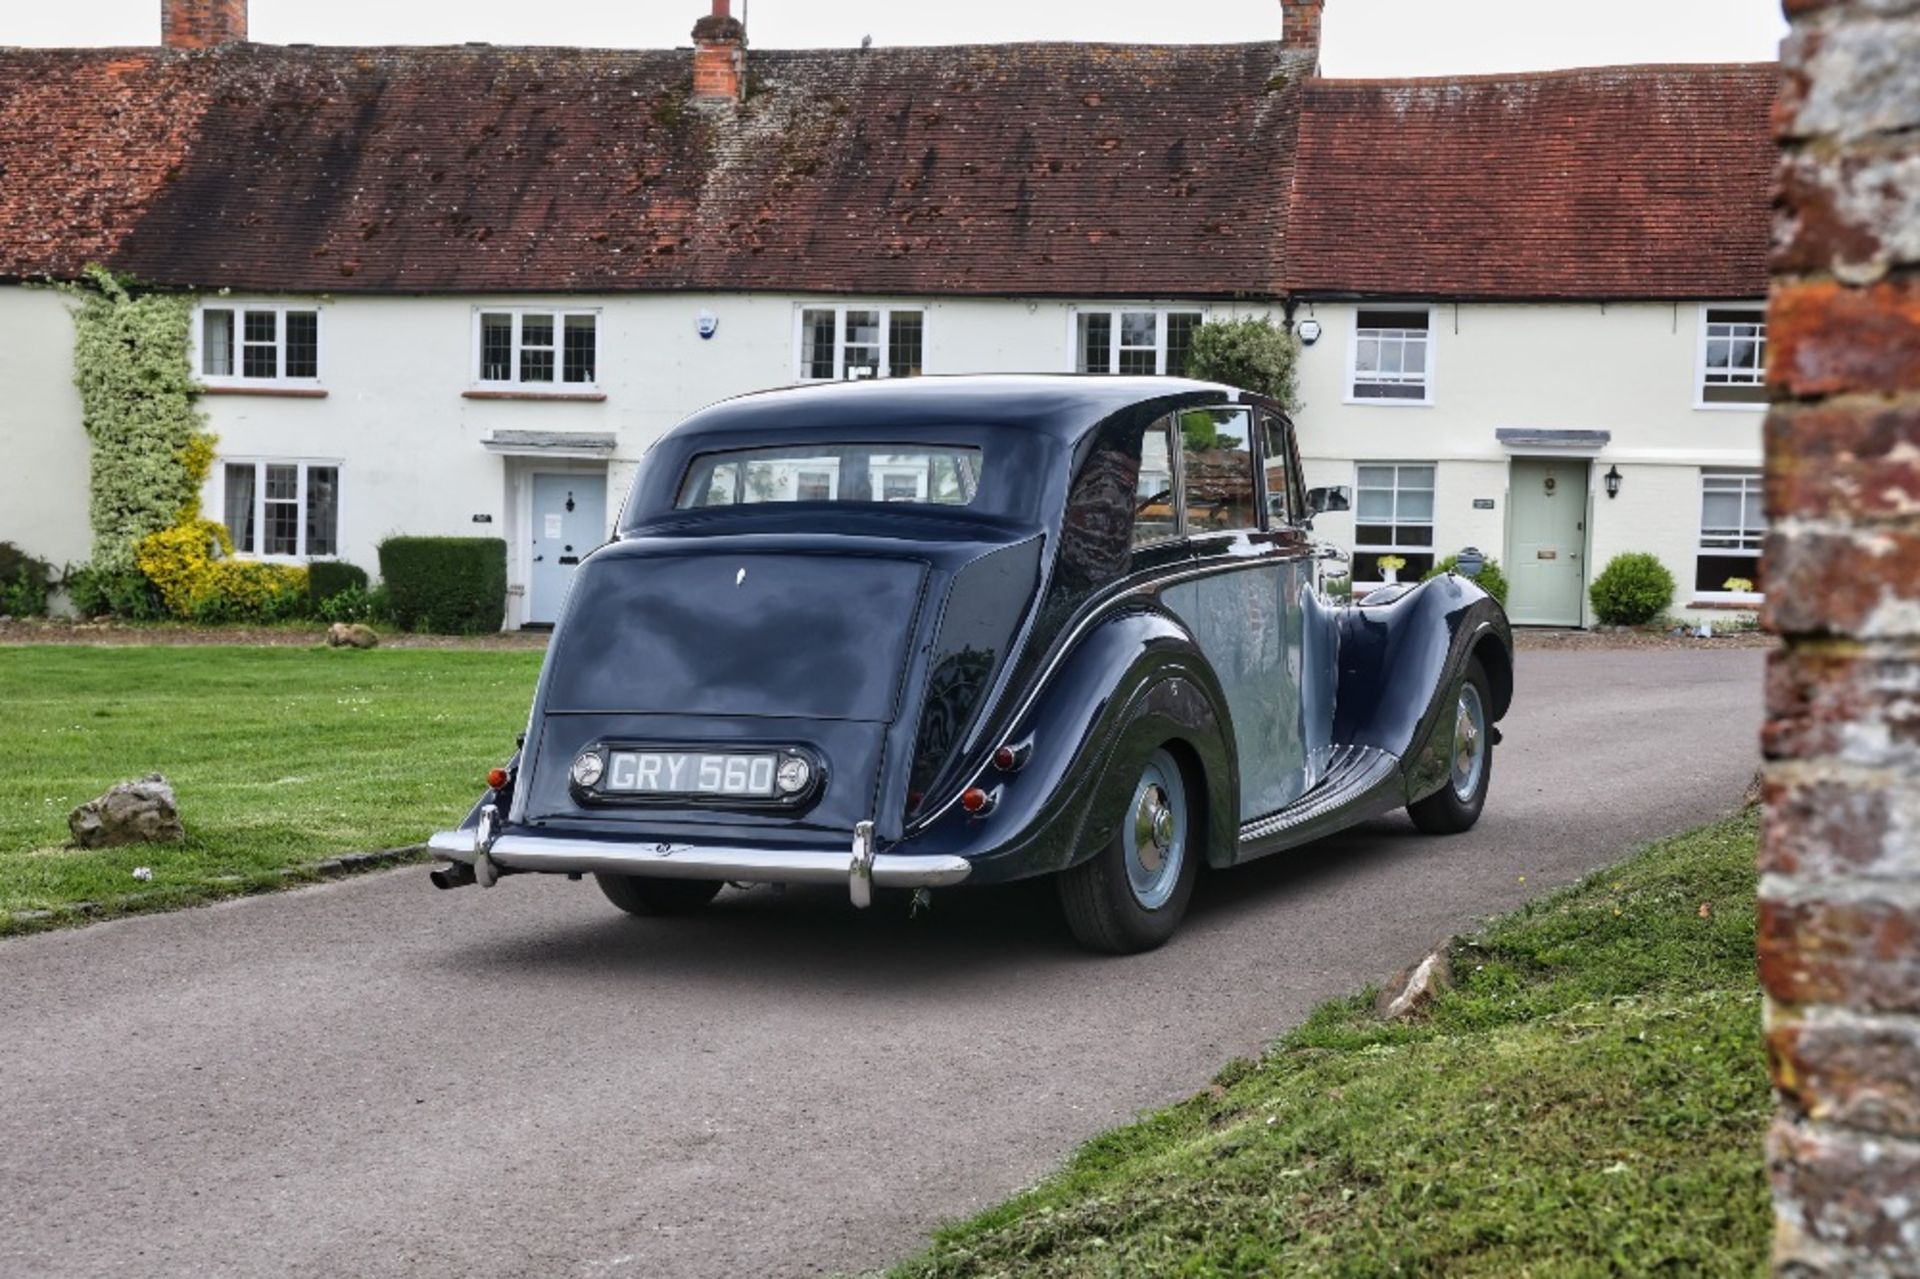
(1612, 481)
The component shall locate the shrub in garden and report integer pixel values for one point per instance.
(454, 585)
(24, 580)
(328, 578)
(1632, 590)
(1248, 352)
(353, 604)
(1491, 579)
(192, 566)
(106, 592)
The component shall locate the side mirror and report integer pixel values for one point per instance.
(1469, 562)
(1337, 498)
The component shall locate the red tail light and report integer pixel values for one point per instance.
(496, 778)
(1004, 759)
(975, 800)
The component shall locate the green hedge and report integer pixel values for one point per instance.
(328, 578)
(453, 585)
(1632, 590)
(24, 582)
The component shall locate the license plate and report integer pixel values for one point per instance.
(689, 773)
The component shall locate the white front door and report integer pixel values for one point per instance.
(569, 519)
(1547, 537)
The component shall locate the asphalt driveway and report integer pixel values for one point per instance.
(373, 1078)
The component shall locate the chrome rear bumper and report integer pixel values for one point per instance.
(859, 868)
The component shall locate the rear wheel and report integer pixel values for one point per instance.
(1131, 895)
(638, 895)
(1456, 806)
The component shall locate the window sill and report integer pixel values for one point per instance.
(1705, 406)
(1388, 403)
(582, 397)
(281, 392)
(1729, 603)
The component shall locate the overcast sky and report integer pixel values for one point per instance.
(1362, 37)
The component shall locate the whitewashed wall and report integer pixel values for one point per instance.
(43, 448)
(410, 445)
(1624, 368)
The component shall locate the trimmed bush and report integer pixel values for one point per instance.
(24, 580)
(192, 563)
(1632, 590)
(328, 578)
(453, 585)
(353, 604)
(106, 592)
(1491, 579)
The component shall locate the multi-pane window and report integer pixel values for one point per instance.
(1134, 341)
(282, 508)
(1733, 356)
(1393, 355)
(855, 342)
(1393, 516)
(258, 345)
(538, 349)
(1733, 526)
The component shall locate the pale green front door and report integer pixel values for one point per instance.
(1546, 540)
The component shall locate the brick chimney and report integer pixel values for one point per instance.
(202, 24)
(1300, 25)
(719, 56)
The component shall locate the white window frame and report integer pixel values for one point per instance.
(239, 307)
(260, 465)
(1700, 400)
(886, 312)
(1159, 311)
(1396, 548)
(1752, 489)
(1427, 381)
(558, 386)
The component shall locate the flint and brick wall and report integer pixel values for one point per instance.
(1840, 853)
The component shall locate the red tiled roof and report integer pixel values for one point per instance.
(1616, 182)
(1090, 170)
(1084, 169)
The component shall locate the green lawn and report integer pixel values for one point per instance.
(1589, 1100)
(280, 756)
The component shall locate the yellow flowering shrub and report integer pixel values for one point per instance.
(193, 567)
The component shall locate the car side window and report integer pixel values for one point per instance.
(1155, 517)
(1279, 459)
(1216, 448)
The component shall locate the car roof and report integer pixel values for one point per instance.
(1063, 404)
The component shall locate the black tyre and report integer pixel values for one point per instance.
(1132, 894)
(1456, 806)
(638, 895)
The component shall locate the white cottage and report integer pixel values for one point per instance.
(460, 290)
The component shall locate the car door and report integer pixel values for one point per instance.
(1248, 615)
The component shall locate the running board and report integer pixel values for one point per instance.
(1359, 782)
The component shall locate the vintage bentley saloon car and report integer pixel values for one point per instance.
(943, 631)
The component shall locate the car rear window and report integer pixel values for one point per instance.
(937, 475)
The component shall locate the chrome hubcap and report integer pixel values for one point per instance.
(1156, 832)
(1469, 743)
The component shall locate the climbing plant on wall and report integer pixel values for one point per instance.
(151, 451)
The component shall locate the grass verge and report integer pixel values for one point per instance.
(281, 757)
(1589, 1099)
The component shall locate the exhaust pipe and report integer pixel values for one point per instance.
(452, 875)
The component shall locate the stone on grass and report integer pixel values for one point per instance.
(1412, 991)
(351, 635)
(138, 812)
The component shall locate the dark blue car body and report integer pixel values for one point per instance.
(899, 646)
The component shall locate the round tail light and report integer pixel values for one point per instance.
(496, 778)
(1004, 759)
(975, 800)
